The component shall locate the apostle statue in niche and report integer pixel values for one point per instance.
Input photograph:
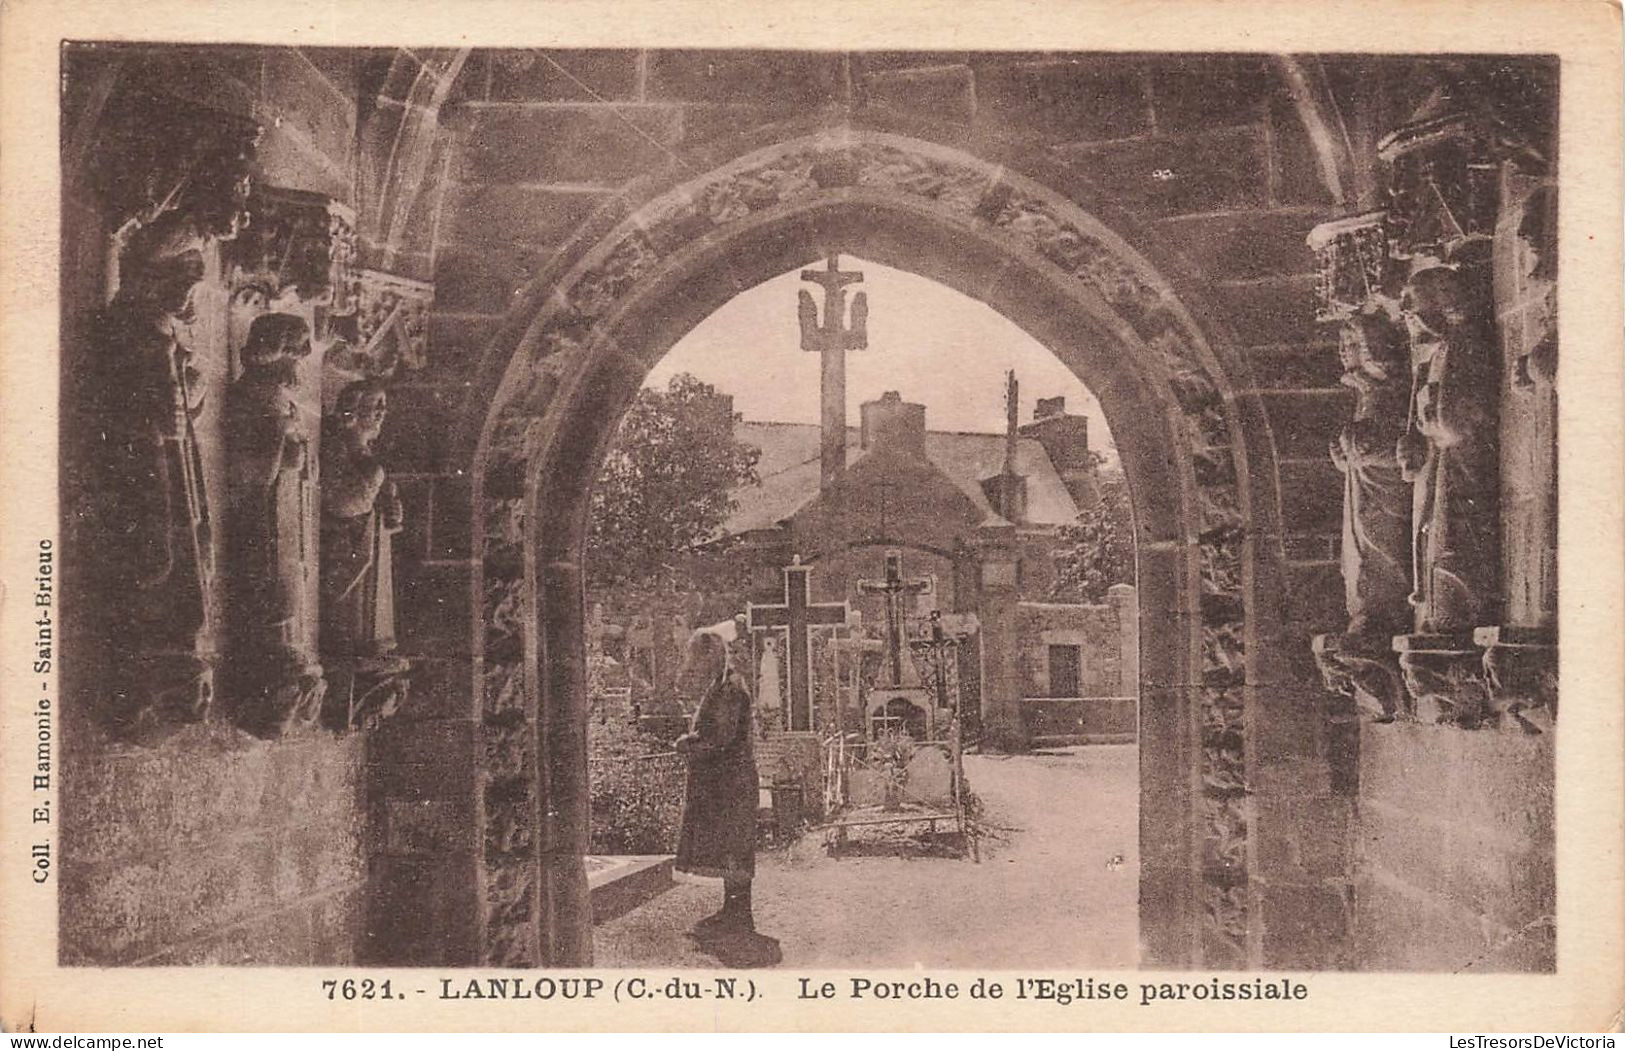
(272, 530)
(1376, 497)
(152, 526)
(1376, 548)
(361, 513)
(1450, 452)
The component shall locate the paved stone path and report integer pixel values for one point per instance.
(1048, 892)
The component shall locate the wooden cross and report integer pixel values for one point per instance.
(833, 339)
(798, 617)
(894, 587)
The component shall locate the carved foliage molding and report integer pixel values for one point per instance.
(298, 244)
(963, 191)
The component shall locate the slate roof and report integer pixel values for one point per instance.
(788, 469)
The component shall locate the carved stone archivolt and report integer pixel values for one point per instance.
(1472, 645)
(961, 190)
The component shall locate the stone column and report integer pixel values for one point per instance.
(1520, 653)
(997, 561)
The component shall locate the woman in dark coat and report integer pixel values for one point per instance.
(718, 837)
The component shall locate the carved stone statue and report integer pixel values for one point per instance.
(272, 541)
(1376, 497)
(361, 513)
(1450, 452)
(153, 524)
(1376, 546)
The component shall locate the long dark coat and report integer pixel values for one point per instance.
(718, 836)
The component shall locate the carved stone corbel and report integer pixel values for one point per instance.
(388, 333)
(299, 249)
(1444, 675)
(1520, 672)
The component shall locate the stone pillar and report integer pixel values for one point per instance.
(997, 562)
(1125, 603)
(1520, 653)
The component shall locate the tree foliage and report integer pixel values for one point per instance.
(667, 483)
(1097, 549)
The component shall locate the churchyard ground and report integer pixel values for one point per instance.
(1056, 886)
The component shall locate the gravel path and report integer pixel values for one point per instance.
(1048, 892)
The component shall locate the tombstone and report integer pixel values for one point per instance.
(930, 777)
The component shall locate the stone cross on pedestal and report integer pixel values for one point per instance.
(798, 616)
(832, 340)
(894, 587)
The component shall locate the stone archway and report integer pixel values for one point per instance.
(1196, 452)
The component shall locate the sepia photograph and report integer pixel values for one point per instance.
(775, 510)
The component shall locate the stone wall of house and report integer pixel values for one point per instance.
(210, 845)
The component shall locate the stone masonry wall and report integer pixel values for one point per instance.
(1455, 851)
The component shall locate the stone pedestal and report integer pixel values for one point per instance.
(1520, 671)
(1444, 674)
(1365, 668)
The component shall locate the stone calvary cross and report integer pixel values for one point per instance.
(832, 340)
(894, 587)
(798, 616)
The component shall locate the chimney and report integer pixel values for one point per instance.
(894, 425)
(1065, 439)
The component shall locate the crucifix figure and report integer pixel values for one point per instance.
(798, 616)
(832, 340)
(894, 587)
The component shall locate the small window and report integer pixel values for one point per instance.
(1065, 671)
